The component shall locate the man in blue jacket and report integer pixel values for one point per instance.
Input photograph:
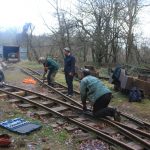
(50, 66)
(69, 70)
(115, 77)
(93, 89)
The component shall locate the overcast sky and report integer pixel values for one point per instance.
(15, 13)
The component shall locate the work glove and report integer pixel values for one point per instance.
(45, 69)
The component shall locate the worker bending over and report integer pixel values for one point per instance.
(92, 89)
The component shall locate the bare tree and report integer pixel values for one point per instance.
(102, 26)
(129, 12)
(99, 22)
(27, 34)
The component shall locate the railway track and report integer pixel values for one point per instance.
(141, 124)
(36, 75)
(70, 109)
(58, 88)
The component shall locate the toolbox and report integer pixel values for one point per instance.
(20, 125)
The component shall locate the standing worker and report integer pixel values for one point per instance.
(2, 78)
(69, 70)
(51, 67)
(115, 77)
(92, 88)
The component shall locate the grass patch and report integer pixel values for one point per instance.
(119, 100)
(30, 64)
(60, 77)
(62, 136)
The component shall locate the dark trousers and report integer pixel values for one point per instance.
(100, 107)
(50, 77)
(116, 83)
(69, 81)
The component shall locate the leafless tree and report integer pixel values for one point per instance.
(102, 26)
(27, 35)
(99, 22)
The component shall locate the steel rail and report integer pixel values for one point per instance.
(123, 131)
(145, 143)
(66, 97)
(100, 134)
(145, 134)
(141, 122)
(129, 134)
(77, 92)
(104, 136)
(77, 108)
(43, 96)
(39, 74)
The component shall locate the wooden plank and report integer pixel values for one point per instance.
(81, 119)
(70, 129)
(21, 93)
(60, 122)
(63, 91)
(91, 124)
(31, 96)
(14, 100)
(83, 137)
(42, 113)
(109, 131)
(59, 88)
(54, 125)
(135, 146)
(8, 89)
(26, 105)
(60, 108)
(48, 103)
(131, 125)
(3, 96)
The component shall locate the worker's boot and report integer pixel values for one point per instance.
(117, 116)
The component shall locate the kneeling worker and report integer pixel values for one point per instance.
(92, 88)
(50, 66)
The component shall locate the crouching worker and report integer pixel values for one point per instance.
(92, 89)
(50, 66)
(2, 78)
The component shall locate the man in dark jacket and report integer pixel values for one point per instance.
(92, 89)
(69, 70)
(50, 66)
(115, 77)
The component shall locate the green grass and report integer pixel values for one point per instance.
(62, 136)
(56, 139)
(60, 77)
(119, 100)
(30, 64)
